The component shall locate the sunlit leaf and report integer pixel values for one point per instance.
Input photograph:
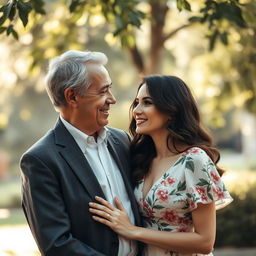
(213, 38)
(38, 6)
(6, 9)
(2, 29)
(24, 9)
(183, 4)
(224, 38)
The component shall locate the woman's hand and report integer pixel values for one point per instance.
(115, 218)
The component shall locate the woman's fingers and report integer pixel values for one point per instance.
(105, 203)
(103, 214)
(119, 204)
(100, 207)
(103, 221)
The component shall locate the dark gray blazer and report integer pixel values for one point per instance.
(58, 184)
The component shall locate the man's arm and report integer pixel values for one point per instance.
(45, 211)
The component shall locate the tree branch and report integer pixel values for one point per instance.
(137, 59)
(172, 33)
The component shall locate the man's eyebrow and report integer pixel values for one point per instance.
(106, 86)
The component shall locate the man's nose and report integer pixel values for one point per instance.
(111, 99)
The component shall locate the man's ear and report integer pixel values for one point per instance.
(71, 97)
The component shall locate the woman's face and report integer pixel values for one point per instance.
(148, 119)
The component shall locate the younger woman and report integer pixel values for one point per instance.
(177, 182)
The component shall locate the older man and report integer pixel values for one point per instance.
(77, 160)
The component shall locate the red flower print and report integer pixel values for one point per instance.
(215, 177)
(191, 151)
(194, 151)
(162, 194)
(184, 220)
(221, 194)
(148, 209)
(218, 191)
(192, 205)
(182, 229)
(163, 182)
(200, 190)
(170, 216)
(204, 197)
(170, 180)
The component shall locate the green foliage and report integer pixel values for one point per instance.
(183, 4)
(124, 15)
(218, 14)
(24, 9)
(236, 224)
(120, 13)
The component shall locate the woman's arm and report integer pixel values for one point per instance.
(199, 241)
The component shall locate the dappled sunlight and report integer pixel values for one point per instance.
(3, 120)
(239, 182)
(96, 20)
(110, 39)
(18, 241)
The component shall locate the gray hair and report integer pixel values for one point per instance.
(69, 70)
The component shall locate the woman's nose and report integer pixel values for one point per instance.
(137, 109)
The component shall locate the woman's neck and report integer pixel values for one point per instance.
(162, 150)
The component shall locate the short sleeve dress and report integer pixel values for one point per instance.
(192, 179)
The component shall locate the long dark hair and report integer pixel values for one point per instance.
(172, 97)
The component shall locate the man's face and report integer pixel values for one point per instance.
(93, 108)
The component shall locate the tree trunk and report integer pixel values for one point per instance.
(158, 13)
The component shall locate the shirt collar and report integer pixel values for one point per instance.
(82, 139)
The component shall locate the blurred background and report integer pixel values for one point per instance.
(209, 44)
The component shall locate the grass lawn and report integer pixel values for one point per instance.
(10, 217)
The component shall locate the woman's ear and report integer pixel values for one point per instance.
(71, 97)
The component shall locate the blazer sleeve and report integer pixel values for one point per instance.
(45, 211)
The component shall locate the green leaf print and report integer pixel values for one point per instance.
(165, 176)
(190, 165)
(181, 186)
(202, 182)
(158, 206)
(164, 224)
(167, 229)
(188, 195)
(180, 161)
(204, 170)
(148, 200)
(209, 195)
(172, 192)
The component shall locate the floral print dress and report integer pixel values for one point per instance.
(192, 179)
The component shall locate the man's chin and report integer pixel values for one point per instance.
(103, 123)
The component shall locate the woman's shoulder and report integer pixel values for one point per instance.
(197, 157)
(195, 153)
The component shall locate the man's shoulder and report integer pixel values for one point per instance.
(116, 130)
(119, 134)
(41, 145)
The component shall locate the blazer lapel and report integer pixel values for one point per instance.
(120, 158)
(74, 157)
